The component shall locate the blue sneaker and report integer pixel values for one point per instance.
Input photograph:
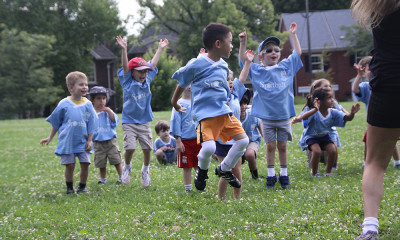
(271, 182)
(284, 181)
(369, 235)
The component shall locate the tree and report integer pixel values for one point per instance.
(27, 84)
(187, 18)
(291, 6)
(361, 41)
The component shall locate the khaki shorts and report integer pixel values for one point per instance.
(223, 126)
(253, 146)
(134, 132)
(106, 149)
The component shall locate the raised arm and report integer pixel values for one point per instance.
(243, 42)
(296, 43)
(174, 101)
(124, 53)
(354, 109)
(249, 56)
(161, 45)
(356, 84)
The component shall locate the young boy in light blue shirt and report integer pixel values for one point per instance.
(164, 145)
(135, 78)
(273, 98)
(75, 120)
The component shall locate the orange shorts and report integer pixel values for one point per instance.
(223, 127)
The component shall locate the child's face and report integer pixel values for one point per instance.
(230, 80)
(243, 108)
(80, 88)
(164, 133)
(367, 72)
(226, 46)
(326, 84)
(328, 102)
(99, 101)
(139, 75)
(270, 55)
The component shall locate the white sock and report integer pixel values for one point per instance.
(207, 150)
(128, 166)
(271, 171)
(370, 224)
(188, 187)
(145, 168)
(237, 150)
(283, 170)
(396, 162)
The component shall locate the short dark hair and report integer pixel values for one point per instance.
(214, 32)
(161, 126)
(321, 94)
(364, 61)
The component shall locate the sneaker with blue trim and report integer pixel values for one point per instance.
(284, 181)
(271, 182)
(369, 235)
(126, 175)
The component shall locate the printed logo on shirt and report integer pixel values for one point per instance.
(214, 84)
(87, 116)
(76, 124)
(140, 96)
(188, 122)
(272, 85)
(283, 75)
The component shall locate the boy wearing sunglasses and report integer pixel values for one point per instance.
(273, 98)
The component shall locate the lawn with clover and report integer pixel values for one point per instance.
(33, 204)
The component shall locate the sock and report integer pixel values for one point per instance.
(103, 180)
(271, 170)
(237, 150)
(82, 185)
(127, 166)
(283, 170)
(254, 174)
(119, 178)
(145, 168)
(188, 187)
(396, 162)
(70, 185)
(207, 150)
(370, 224)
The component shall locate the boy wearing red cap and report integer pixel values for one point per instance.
(135, 77)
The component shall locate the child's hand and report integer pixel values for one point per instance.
(45, 141)
(355, 108)
(360, 70)
(296, 120)
(179, 108)
(250, 55)
(88, 146)
(122, 42)
(293, 28)
(202, 50)
(317, 103)
(163, 43)
(180, 147)
(243, 35)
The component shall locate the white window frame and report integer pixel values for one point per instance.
(92, 78)
(357, 58)
(320, 63)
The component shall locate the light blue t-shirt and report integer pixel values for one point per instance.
(106, 130)
(319, 126)
(250, 125)
(273, 88)
(210, 90)
(170, 155)
(74, 122)
(136, 97)
(182, 124)
(364, 94)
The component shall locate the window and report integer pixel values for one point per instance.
(91, 74)
(317, 63)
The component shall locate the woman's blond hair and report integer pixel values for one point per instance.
(372, 11)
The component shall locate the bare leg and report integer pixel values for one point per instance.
(282, 150)
(396, 153)
(146, 156)
(335, 160)
(103, 172)
(84, 172)
(380, 145)
(187, 176)
(118, 167)
(69, 172)
(315, 157)
(128, 155)
(237, 171)
(271, 147)
(332, 153)
(251, 159)
(222, 184)
(160, 156)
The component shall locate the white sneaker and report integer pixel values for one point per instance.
(126, 175)
(145, 179)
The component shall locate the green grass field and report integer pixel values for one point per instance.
(33, 204)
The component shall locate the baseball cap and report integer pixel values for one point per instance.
(138, 64)
(98, 90)
(272, 39)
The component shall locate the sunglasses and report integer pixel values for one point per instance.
(269, 50)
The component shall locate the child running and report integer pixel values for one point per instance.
(321, 118)
(207, 75)
(75, 120)
(135, 78)
(273, 98)
(105, 144)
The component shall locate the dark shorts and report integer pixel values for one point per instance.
(322, 141)
(383, 110)
(221, 149)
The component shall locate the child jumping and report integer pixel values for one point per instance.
(105, 144)
(321, 118)
(273, 98)
(184, 130)
(75, 120)
(207, 75)
(135, 78)
(164, 145)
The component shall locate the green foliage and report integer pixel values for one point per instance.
(291, 6)
(360, 39)
(33, 204)
(162, 87)
(27, 83)
(188, 18)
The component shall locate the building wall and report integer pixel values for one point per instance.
(102, 80)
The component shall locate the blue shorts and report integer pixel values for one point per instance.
(84, 157)
(322, 141)
(222, 149)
